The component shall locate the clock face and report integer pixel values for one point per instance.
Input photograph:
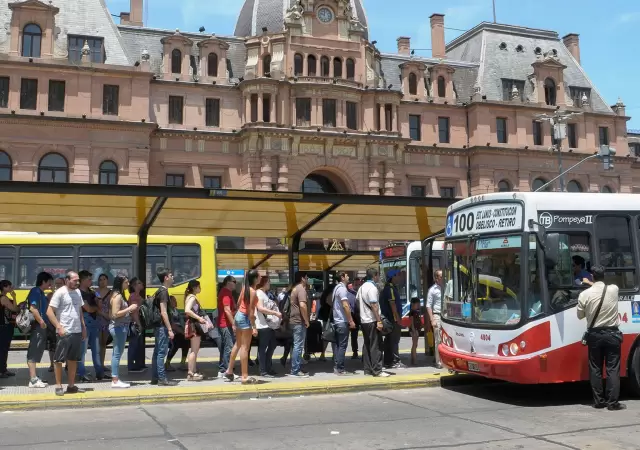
(325, 15)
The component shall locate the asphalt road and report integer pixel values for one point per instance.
(464, 414)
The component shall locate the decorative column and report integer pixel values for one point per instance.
(396, 127)
(389, 181)
(247, 108)
(293, 111)
(265, 174)
(383, 118)
(273, 107)
(260, 108)
(283, 175)
(374, 179)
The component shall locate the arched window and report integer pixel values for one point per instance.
(337, 68)
(574, 186)
(53, 168)
(298, 64)
(5, 167)
(442, 87)
(324, 66)
(351, 69)
(550, 92)
(413, 84)
(504, 186)
(212, 65)
(538, 183)
(311, 66)
(176, 61)
(318, 184)
(266, 65)
(108, 172)
(31, 40)
(606, 190)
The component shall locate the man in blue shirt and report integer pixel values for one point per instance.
(580, 275)
(391, 305)
(38, 304)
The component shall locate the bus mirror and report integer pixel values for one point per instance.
(551, 249)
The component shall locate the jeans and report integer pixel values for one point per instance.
(119, 335)
(339, 347)
(299, 335)
(227, 339)
(135, 356)
(92, 342)
(6, 335)
(392, 346)
(604, 349)
(159, 354)
(266, 347)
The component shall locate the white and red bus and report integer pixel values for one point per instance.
(522, 325)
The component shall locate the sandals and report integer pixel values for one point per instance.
(195, 377)
(249, 380)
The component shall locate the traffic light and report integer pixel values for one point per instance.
(607, 153)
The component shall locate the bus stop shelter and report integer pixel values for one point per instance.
(144, 210)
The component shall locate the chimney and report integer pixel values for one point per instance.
(135, 13)
(437, 35)
(124, 18)
(404, 45)
(572, 42)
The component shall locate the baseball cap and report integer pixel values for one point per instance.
(392, 273)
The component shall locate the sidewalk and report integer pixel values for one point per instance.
(15, 395)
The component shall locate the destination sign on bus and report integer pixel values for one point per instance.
(489, 218)
(397, 251)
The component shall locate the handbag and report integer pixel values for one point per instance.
(328, 329)
(595, 317)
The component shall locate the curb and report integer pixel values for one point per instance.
(194, 393)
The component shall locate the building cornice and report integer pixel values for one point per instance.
(75, 122)
(20, 62)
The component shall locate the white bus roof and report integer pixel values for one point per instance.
(417, 246)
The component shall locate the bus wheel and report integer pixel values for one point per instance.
(634, 372)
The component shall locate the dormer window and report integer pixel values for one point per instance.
(442, 87)
(550, 92)
(212, 65)
(413, 84)
(95, 45)
(337, 68)
(31, 41)
(176, 61)
(266, 65)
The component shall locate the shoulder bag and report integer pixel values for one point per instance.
(328, 329)
(595, 317)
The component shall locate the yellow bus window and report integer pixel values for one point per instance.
(156, 259)
(57, 260)
(111, 260)
(7, 255)
(185, 263)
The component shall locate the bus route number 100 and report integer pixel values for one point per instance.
(463, 222)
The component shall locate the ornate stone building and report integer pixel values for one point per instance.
(299, 99)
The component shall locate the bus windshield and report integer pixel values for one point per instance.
(483, 285)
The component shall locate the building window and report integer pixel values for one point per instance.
(337, 68)
(352, 115)
(572, 135)
(56, 95)
(303, 112)
(442, 87)
(31, 40)
(298, 65)
(351, 69)
(606, 190)
(574, 186)
(504, 186)
(5, 167)
(210, 182)
(443, 130)
(176, 61)
(254, 107)
(415, 127)
(501, 130)
(578, 95)
(413, 84)
(311, 66)
(388, 116)
(212, 64)
(324, 66)
(507, 89)
(329, 112)
(4, 92)
(176, 106)
(53, 168)
(604, 135)
(538, 183)
(634, 150)
(418, 191)
(76, 43)
(212, 112)
(174, 180)
(28, 93)
(266, 108)
(108, 173)
(537, 133)
(447, 192)
(550, 92)
(266, 65)
(110, 99)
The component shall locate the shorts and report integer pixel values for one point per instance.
(69, 348)
(242, 321)
(37, 344)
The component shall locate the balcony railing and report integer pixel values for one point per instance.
(326, 80)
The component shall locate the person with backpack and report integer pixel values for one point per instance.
(163, 333)
(8, 311)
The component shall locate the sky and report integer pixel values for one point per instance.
(609, 30)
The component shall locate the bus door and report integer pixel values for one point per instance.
(430, 263)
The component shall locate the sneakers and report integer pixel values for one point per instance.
(120, 385)
(617, 407)
(383, 375)
(300, 374)
(221, 375)
(36, 383)
(167, 382)
(59, 392)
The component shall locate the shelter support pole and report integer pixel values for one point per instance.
(143, 233)
(261, 262)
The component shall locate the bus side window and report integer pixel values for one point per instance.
(7, 255)
(185, 262)
(615, 250)
(110, 260)
(57, 260)
(561, 279)
(156, 259)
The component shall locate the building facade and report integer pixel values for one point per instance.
(299, 99)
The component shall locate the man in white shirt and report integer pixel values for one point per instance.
(371, 323)
(434, 309)
(65, 314)
(603, 338)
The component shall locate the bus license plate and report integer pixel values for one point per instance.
(473, 367)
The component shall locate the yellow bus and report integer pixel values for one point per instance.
(24, 255)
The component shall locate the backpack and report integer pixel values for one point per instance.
(284, 306)
(24, 319)
(150, 312)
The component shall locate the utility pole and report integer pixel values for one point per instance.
(558, 121)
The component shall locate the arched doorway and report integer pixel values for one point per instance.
(318, 184)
